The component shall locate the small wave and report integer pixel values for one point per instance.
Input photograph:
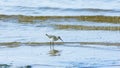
(57, 11)
(82, 9)
(58, 43)
(66, 9)
(81, 27)
(98, 18)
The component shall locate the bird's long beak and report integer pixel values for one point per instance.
(61, 39)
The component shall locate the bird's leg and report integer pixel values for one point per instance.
(53, 45)
(50, 45)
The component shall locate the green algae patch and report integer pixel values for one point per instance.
(97, 18)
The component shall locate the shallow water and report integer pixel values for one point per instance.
(76, 57)
(13, 31)
(83, 26)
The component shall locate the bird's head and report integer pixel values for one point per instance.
(60, 38)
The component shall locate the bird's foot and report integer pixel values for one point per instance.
(54, 52)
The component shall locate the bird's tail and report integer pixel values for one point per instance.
(47, 35)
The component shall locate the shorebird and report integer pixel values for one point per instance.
(53, 38)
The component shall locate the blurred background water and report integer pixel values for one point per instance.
(61, 7)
